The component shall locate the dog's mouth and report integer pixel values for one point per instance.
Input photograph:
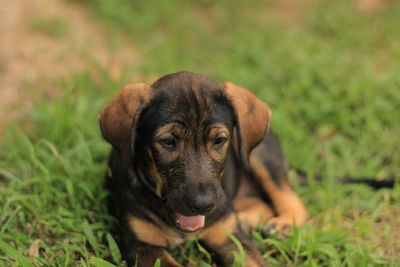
(190, 223)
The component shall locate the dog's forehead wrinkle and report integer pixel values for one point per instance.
(195, 105)
(192, 105)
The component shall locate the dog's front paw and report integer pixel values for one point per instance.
(278, 225)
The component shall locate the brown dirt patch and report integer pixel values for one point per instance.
(289, 11)
(369, 6)
(44, 40)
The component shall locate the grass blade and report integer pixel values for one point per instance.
(89, 234)
(12, 252)
(100, 263)
(115, 253)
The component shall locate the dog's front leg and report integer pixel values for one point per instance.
(218, 239)
(142, 243)
(145, 255)
(288, 206)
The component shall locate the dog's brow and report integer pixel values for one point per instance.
(179, 122)
(167, 128)
(217, 126)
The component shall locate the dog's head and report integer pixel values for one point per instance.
(176, 135)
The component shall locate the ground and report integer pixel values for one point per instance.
(328, 69)
(45, 40)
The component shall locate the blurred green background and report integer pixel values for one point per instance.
(328, 69)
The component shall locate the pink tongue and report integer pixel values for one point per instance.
(190, 223)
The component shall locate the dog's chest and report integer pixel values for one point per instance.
(179, 238)
(162, 236)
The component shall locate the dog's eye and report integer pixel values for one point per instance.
(169, 142)
(219, 141)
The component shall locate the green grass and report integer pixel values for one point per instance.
(332, 80)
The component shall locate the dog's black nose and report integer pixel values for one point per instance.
(202, 205)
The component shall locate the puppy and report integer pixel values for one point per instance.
(191, 159)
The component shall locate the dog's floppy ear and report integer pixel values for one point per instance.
(118, 117)
(253, 117)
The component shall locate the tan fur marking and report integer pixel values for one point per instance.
(251, 263)
(218, 130)
(217, 235)
(152, 234)
(167, 258)
(287, 204)
(146, 256)
(154, 173)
